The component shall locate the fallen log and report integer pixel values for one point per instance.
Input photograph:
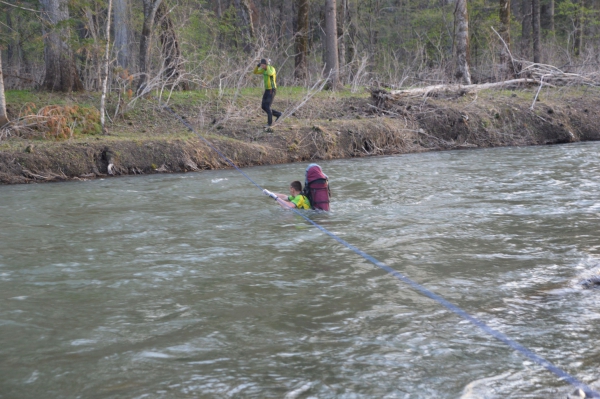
(533, 74)
(449, 89)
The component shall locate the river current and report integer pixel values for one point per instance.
(199, 286)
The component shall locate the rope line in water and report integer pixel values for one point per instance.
(418, 287)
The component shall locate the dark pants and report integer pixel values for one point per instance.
(267, 100)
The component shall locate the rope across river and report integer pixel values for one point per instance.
(589, 392)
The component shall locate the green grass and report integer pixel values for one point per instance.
(41, 99)
(294, 93)
(21, 96)
(17, 99)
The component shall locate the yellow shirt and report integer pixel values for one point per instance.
(300, 201)
(270, 76)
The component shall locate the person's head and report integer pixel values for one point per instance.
(264, 62)
(295, 188)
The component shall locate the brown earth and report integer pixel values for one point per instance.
(324, 128)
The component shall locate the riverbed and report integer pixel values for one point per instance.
(198, 285)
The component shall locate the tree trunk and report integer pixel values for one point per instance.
(106, 63)
(172, 62)
(594, 28)
(301, 69)
(248, 16)
(578, 42)
(461, 28)
(526, 28)
(537, 37)
(219, 9)
(547, 16)
(515, 10)
(61, 73)
(506, 68)
(286, 17)
(3, 116)
(150, 8)
(351, 38)
(332, 65)
(96, 70)
(12, 49)
(343, 33)
(122, 33)
(451, 90)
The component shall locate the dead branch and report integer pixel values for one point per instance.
(451, 89)
(531, 73)
(316, 88)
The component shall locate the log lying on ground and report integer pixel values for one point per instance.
(534, 74)
(449, 89)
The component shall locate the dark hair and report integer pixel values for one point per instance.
(296, 185)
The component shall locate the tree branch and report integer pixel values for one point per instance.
(22, 8)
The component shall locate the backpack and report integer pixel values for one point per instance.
(316, 187)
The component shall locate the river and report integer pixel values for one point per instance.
(198, 285)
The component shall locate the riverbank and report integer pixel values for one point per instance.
(148, 139)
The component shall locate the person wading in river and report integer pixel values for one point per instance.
(295, 200)
(270, 77)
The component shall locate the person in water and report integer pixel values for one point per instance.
(294, 200)
(270, 78)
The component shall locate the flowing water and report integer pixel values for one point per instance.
(199, 286)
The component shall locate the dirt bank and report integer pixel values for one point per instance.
(325, 128)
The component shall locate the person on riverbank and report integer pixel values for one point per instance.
(270, 79)
(295, 200)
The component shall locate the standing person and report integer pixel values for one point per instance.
(295, 200)
(270, 77)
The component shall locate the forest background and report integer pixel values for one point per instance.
(61, 45)
(109, 56)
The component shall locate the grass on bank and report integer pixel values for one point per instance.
(75, 116)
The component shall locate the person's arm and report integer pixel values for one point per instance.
(281, 199)
(286, 204)
(258, 70)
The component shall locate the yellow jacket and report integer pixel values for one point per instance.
(270, 76)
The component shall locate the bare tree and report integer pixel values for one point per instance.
(343, 32)
(286, 16)
(172, 61)
(61, 73)
(547, 12)
(3, 116)
(332, 64)
(12, 48)
(150, 9)
(461, 40)
(537, 36)
(92, 74)
(578, 42)
(122, 33)
(506, 68)
(526, 28)
(350, 37)
(106, 63)
(248, 16)
(219, 9)
(302, 40)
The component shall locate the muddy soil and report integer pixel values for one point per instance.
(324, 128)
